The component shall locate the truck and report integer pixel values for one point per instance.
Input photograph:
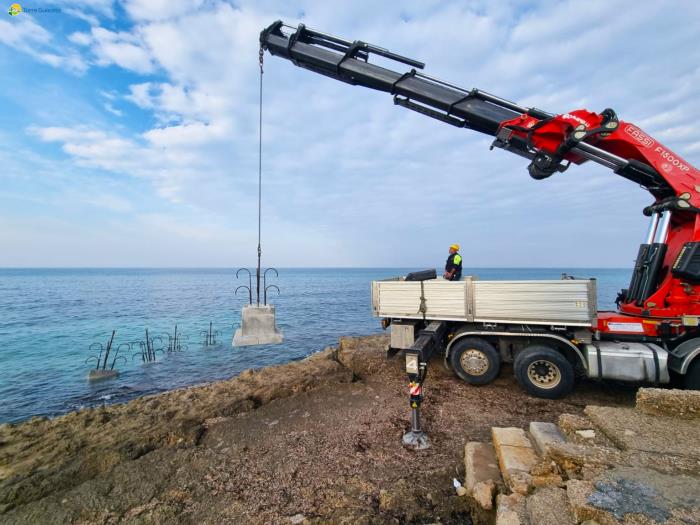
(551, 330)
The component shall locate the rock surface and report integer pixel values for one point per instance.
(543, 434)
(511, 510)
(634, 495)
(549, 506)
(665, 402)
(480, 465)
(316, 440)
(515, 457)
(630, 429)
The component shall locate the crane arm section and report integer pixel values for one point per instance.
(549, 141)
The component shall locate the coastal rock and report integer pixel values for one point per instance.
(630, 429)
(510, 509)
(364, 356)
(667, 402)
(549, 506)
(543, 434)
(480, 465)
(48, 455)
(515, 457)
(483, 493)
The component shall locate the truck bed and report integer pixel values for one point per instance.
(570, 302)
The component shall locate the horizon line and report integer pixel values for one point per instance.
(306, 267)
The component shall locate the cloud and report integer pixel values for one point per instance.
(155, 10)
(103, 8)
(82, 39)
(118, 48)
(23, 34)
(349, 178)
(112, 109)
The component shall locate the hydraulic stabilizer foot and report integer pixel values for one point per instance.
(417, 357)
(416, 438)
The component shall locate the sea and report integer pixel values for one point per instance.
(55, 323)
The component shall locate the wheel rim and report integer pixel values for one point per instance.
(544, 374)
(474, 362)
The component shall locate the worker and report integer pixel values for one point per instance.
(453, 266)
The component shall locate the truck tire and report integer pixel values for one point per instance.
(691, 380)
(544, 372)
(475, 360)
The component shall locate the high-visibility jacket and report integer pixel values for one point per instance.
(454, 262)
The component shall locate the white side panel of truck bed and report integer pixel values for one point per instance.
(567, 302)
(443, 299)
(558, 302)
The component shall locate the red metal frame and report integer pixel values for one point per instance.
(673, 297)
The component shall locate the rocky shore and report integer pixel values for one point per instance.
(314, 441)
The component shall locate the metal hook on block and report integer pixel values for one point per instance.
(100, 371)
(250, 284)
(115, 360)
(210, 335)
(266, 286)
(271, 286)
(250, 292)
(92, 348)
(117, 356)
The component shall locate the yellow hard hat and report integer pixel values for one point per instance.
(455, 247)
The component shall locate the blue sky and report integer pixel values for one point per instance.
(128, 134)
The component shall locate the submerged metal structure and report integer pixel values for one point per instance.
(101, 371)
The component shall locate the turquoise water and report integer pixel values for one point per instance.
(50, 317)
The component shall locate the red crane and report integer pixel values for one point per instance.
(658, 313)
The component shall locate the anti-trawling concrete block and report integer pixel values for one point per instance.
(258, 327)
(99, 375)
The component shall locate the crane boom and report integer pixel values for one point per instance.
(548, 140)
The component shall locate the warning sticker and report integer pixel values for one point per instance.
(636, 328)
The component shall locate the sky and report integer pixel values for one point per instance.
(128, 134)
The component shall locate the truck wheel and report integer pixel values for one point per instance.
(475, 360)
(691, 381)
(544, 372)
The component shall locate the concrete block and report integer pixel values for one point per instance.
(543, 434)
(515, 457)
(100, 375)
(258, 327)
(510, 436)
(480, 465)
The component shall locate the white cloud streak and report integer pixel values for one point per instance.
(346, 169)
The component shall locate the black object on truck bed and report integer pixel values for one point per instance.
(422, 275)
